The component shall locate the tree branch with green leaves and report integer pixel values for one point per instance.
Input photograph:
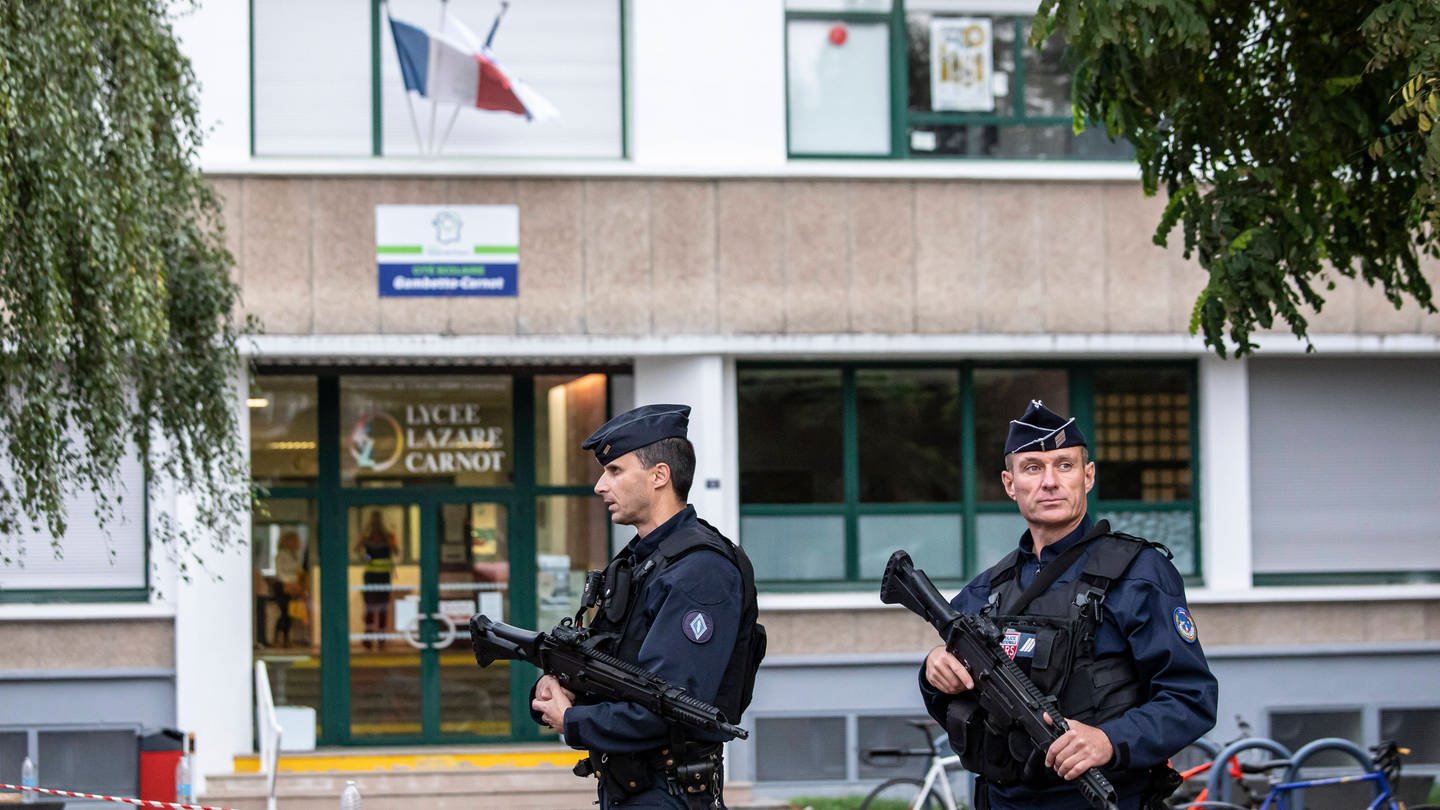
(1261, 122)
(117, 333)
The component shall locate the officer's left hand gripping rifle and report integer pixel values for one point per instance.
(563, 653)
(1007, 696)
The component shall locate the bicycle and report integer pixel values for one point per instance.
(908, 793)
(1196, 760)
(1381, 767)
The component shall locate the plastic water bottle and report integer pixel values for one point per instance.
(27, 779)
(350, 799)
(182, 780)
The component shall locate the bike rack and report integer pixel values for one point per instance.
(1292, 774)
(1216, 783)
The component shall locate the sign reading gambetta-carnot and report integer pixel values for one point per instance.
(418, 427)
(448, 250)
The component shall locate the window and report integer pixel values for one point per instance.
(328, 81)
(892, 733)
(832, 752)
(795, 749)
(1330, 463)
(842, 465)
(1294, 729)
(284, 431)
(928, 78)
(96, 565)
(572, 527)
(90, 760)
(1416, 729)
(14, 747)
(839, 96)
(426, 431)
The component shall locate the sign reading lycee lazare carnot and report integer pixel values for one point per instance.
(446, 250)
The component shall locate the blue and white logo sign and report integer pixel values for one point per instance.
(447, 250)
(698, 626)
(1185, 626)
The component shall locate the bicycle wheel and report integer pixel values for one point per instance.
(901, 794)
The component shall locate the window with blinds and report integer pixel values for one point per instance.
(1344, 455)
(88, 558)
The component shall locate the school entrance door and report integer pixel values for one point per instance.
(421, 565)
(397, 506)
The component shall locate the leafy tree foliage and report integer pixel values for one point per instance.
(1278, 128)
(116, 333)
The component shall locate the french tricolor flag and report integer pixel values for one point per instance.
(456, 67)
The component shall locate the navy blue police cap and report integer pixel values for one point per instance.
(1041, 429)
(633, 430)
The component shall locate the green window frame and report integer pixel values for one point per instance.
(831, 528)
(1012, 114)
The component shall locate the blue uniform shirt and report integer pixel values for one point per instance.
(692, 609)
(1145, 615)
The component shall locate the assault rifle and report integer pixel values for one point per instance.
(580, 668)
(1006, 695)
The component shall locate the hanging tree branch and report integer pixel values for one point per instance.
(116, 327)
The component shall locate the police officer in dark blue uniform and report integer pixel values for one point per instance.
(679, 600)
(1097, 619)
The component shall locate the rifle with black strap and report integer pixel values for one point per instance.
(1005, 693)
(579, 667)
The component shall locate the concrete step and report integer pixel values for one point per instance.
(534, 788)
(520, 777)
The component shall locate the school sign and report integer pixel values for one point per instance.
(447, 250)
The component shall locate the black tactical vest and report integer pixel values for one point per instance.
(1061, 625)
(1053, 638)
(618, 615)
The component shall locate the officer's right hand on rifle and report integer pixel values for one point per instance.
(946, 673)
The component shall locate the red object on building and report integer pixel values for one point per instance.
(838, 34)
(159, 754)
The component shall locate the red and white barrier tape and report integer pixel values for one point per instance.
(141, 802)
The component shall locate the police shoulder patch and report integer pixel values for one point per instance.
(1185, 625)
(698, 626)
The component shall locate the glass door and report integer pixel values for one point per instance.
(418, 568)
(474, 577)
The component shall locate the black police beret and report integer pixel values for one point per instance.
(632, 430)
(1042, 429)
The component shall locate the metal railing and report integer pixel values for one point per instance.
(267, 726)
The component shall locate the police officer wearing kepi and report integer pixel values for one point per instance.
(679, 600)
(1097, 619)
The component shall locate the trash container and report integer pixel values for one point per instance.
(159, 754)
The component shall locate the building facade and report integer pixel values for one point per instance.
(854, 266)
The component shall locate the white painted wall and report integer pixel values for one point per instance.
(1225, 473)
(697, 381)
(214, 695)
(215, 36)
(707, 82)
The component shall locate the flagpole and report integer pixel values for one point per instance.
(455, 113)
(444, 9)
(490, 37)
(409, 103)
(504, 6)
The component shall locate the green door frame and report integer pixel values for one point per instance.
(334, 499)
(520, 608)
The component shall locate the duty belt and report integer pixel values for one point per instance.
(694, 772)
